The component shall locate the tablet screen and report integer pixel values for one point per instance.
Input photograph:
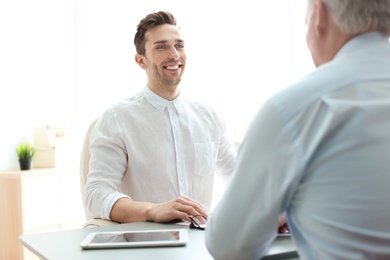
(132, 237)
(135, 238)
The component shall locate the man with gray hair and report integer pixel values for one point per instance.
(320, 149)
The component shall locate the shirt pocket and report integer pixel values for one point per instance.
(205, 158)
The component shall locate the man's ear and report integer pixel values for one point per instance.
(140, 59)
(321, 17)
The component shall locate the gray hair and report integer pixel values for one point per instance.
(358, 16)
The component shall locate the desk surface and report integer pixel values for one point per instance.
(66, 245)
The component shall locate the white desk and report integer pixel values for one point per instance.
(66, 245)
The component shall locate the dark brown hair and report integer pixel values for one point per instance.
(150, 21)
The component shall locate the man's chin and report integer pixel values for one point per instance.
(173, 83)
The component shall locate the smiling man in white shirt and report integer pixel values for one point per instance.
(154, 155)
(320, 149)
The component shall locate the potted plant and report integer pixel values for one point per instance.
(25, 153)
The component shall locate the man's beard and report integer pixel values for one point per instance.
(166, 83)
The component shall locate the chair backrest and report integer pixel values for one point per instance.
(84, 163)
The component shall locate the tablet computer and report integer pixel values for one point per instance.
(140, 238)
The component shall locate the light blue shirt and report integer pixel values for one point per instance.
(151, 149)
(319, 150)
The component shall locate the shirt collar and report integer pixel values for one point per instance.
(160, 103)
(362, 39)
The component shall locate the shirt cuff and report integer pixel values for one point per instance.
(109, 202)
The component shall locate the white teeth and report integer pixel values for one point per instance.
(172, 67)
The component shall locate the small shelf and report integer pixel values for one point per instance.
(34, 201)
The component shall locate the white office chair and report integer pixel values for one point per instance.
(84, 169)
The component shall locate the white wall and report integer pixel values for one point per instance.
(63, 62)
(37, 68)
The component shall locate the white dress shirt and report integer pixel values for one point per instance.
(150, 149)
(319, 150)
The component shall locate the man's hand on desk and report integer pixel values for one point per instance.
(179, 208)
(126, 210)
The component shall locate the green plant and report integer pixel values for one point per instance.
(25, 151)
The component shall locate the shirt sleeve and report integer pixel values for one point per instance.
(245, 221)
(106, 168)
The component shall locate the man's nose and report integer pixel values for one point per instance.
(174, 54)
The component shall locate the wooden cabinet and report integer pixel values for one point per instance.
(34, 201)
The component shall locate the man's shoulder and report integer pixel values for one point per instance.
(301, 93)
(127, 102)
(330, 77)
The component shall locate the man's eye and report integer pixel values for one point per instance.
(180, 46)
(159, 47)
